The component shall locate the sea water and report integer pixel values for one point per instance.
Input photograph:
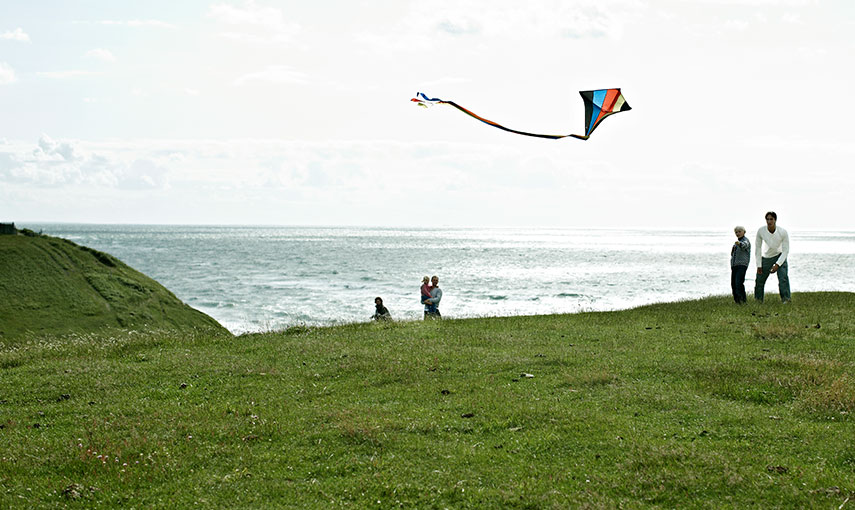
(269, 278)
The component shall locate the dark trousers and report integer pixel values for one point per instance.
(783, 279)
(433, 313)
(737, 283)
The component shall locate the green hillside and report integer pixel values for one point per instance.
(52, 285)
(698, 404)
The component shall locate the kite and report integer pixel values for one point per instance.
(599, 104)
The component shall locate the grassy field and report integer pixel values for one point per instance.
(696, 404)
(52, 285)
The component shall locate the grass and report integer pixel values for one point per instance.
(52, 285)
(698, 404)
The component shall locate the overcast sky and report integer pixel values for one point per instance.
(299, 113)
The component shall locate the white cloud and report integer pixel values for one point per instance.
(334, 169)
(774, 3)
(353, 182)
(137, 23)
(249, 14)
(61, 75)
(737, 25)
(275, 74)
(811, 53)
(101, 54)
(254, 24)
(450, 20)
(49, 148)
(52, 164)
(441, 82)
(544, 19)
(15, 35)
(259, 39)
(7, 74)
(48, 164)
(793, 144)
(792, 18)
(149, 23)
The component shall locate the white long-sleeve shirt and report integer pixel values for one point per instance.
(777, 245)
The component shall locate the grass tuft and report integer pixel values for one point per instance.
(777, 331)
(835, 397)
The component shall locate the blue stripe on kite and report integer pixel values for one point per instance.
(427, 98)
(595, 113)
(599, 97)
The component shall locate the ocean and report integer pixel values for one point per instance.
(252, 278)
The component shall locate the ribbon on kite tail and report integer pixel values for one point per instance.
(599, 104)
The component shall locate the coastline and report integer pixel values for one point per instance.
(262, 278)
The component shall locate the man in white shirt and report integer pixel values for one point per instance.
(773, 259)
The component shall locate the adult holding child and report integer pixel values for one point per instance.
(773, 259)
(432, 304)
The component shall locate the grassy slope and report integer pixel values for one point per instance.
(697, 404)
(51, 285)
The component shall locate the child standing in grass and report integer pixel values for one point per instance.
(740, 256)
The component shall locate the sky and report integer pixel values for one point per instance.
(299, 113)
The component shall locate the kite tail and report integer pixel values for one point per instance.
(425, 101)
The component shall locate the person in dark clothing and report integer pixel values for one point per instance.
(740, 256)
(381, 313)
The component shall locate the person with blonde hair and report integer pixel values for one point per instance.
(740, 256)
(425, 289)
